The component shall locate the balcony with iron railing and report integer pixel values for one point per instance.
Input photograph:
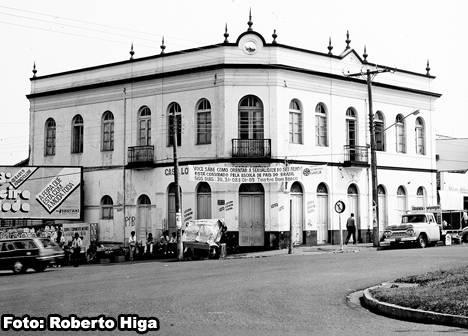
(356, 156)
(140, 156)
(251, 148)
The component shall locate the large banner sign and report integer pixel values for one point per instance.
(40, 192)
(253, 174)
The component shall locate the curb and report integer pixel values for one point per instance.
(411, 314)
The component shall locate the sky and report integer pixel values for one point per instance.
(64, 35)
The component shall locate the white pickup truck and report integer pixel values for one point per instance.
(419, 228)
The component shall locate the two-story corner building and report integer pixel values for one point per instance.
(268, 135)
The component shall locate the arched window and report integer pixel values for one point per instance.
(351, 127)
(77, 134)
(203, 200)
(107, 131)
(321, 130)
(420, 136)
(295, 122)
(400, 134)
(296, 188)
(174, 110)
(144, 200)
(107, 207)
(50, 134)
(379, 129)
(203, 122)
(144, 126)
(401, 200)
(250, 118)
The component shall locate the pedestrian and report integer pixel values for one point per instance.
(351, 228)
(76, 248)
(132, 244)
(149, 245)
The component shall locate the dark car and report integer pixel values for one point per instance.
(19, 254)
(104, 250)
(464, 235)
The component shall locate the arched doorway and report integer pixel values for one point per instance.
(421, 197)
(353, 207)
(143, 220)
(171, 209)
(203, 200)
(401, 200)
(297, 217)
(322, 213)
(251, 214)
(382, 197)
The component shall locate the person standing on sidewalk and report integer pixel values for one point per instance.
(76, 248)
(351, 228)
(132, 244)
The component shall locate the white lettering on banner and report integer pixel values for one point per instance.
(21, 176)
(57, 190)
(253, 174)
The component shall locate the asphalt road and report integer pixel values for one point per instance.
(279, 295)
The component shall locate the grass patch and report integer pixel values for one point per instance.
(442, 291)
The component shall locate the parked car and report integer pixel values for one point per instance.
(19, 254)
(419, 228)
(464, 235)
(104, 249)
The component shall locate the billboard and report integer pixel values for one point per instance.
(40, 192)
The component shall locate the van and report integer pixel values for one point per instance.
(19, 254)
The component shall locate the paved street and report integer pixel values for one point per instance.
(278, 295)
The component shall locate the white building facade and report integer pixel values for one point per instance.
(246, 110)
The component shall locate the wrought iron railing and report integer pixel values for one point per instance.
(356, 154)
(140, 154)
(251, 148)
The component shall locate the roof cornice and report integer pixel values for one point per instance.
(226, 66)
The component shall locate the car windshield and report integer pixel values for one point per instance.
(413, 219)
(47, 242)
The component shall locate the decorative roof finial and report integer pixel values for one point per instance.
(34, 71)
(162, 46)
(131, 52)
(330, 47)
(274, 35)
(250, 23)
(226, 34)
(428, 69)
(348, 41)
(365, 55)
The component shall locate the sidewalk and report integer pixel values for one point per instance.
(305, 250)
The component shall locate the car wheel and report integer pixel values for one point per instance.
(40, 267)
(422, 241)
(18, 267)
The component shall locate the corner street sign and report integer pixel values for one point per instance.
(340, 207)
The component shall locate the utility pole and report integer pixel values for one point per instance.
(373, 165)
(174, 127)
(124, 182)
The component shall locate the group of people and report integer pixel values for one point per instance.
(166, 245)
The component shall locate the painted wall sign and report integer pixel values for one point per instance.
(40, 192)
(276, 173)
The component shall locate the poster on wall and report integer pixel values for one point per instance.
(275, 173)
(40, 192)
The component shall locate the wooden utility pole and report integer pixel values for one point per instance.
(174, 128)
(373, 164)
(290, 248)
